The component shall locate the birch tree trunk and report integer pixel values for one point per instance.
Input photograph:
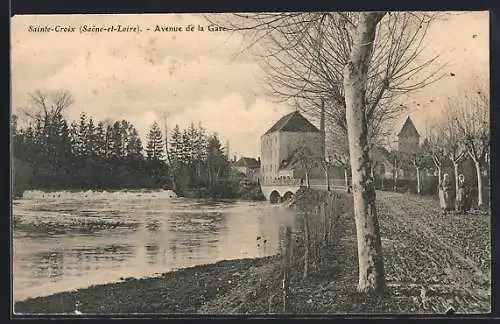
(346, 180)
(327, 179)
(395, 180)
(418, 180)
(455, 170)
(479, 183)
(308, 184)
(370, 259)
(307, 243)
(439, 177)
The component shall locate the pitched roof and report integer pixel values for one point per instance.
(293, 122)
(408, 129)
(247, 162)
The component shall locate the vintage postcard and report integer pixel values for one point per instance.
(253, 163)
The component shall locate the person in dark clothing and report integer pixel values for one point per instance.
(463, 200)
(445, 194)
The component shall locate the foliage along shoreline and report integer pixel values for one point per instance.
(54, 154)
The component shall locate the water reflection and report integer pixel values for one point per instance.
(74, 241)
(152, 251)
(50, 265)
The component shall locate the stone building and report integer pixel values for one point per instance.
(408, 137)
(408, 141)
(250, 167)
(289, 135)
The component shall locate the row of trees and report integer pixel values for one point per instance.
(463, 133)
(51, 153)
(460, 136)
(198, 160)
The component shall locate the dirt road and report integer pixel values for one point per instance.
(439, 260)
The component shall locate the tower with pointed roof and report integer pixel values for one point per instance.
(408, 137)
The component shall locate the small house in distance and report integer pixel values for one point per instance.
(248, 166)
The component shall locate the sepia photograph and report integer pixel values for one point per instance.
(296, 163)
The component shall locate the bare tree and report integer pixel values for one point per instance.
(453, 140)
(304, 54)
(338, 150)
(435, 148)
(306, 160)
(418, 159)
(370, 259)
(44, 105)
(472, 120)
(358, 63)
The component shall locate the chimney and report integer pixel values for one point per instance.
(234, 158)
(322, 128)
(258, 160)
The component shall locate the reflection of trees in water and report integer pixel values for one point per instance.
(153, 225)
(152, 251)
(86, 257)
(49, 264)
(81, 226)
(190, 232)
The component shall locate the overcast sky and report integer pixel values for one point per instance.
(193, 76)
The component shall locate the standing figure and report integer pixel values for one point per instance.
(445, 194)
(463, 200)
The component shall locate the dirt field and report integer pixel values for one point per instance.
(445, 258)
(432, 262)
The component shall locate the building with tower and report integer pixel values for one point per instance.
(408, 138)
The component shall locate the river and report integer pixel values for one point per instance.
(69, 240)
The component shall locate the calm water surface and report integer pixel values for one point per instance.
(69, 240)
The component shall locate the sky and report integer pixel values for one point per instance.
(185, 77)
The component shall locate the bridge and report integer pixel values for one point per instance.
(277, 190)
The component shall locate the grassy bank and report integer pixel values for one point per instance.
(181, 291)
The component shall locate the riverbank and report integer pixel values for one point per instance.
(241, 191)
(427, 271)
(181, 291)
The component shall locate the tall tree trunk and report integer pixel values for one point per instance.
(418, 180)
(439, 177)
(479, 183)
(370, 259)
(308, 184)
(327, 179)
(307, 244)
(346, 179)
(455, 170)
(395, 178)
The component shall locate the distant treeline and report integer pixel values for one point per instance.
(50, 153)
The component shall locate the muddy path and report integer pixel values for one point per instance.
(439, 260)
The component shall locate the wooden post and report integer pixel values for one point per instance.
(306, 245)
(326, 217)
(332, 215)
(286, 268)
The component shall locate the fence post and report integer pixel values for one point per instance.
(306, 244)
(286, 268)
(333, 215)
(326, 220)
